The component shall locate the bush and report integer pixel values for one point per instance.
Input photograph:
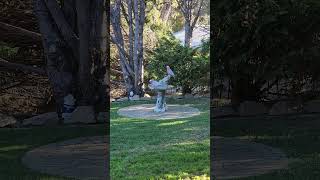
(191, 66)
(257, 43)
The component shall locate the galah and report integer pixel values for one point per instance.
(169, 71)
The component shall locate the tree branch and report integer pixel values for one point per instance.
(69, 36)
(22, 67)
(21, 31)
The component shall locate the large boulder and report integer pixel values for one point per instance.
(312, 106)
(281, 108)
(82, 114)
(49, 118)
(7, 120)
(252, 108)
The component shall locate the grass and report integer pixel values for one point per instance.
(160, 149)
(15, 142)
(298, 136)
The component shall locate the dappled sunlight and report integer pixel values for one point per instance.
(172, 123)
(187, 176)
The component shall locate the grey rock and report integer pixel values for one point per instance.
(122, 99)
(251, 108)
(42, 119)
(135, 98)
(7, 120)
(83, 114)
(281, 108)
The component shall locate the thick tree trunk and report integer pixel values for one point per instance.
(58, 66)
(98, 48)
(85, 79)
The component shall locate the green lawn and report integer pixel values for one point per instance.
(15, 142)
(297, 136)
(160, 149)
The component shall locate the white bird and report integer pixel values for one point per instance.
(169, 71)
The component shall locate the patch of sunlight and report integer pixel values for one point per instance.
(10, 148)
(171, 123)
(187, 176)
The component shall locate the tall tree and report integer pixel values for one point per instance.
(191, 10)
(166, 10)
(74, 34)
(130, 14)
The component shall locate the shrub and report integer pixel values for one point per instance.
(191, 66)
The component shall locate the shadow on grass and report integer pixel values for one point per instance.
(14, 143)
(298, 136)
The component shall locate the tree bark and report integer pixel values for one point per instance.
(58, 66)
(85, 80)
(166, 11)
(191, 11)
(131, 59)
(98, 52)
(65, 29)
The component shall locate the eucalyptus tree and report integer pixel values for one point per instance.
(191, 10)
(131, 15)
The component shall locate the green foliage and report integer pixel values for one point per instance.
(191, 66)
(264, 40)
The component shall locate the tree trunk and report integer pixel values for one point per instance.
(131, 59)
(188, 34)
(166, 11)
(58, 66)
(85, 80)
(98, 51)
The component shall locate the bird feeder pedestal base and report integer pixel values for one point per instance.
(161, 105)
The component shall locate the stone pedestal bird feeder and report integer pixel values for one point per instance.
(161, 87)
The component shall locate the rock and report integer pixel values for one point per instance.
(312, 106)
(281, 108)
(42, 119)
(147, 95)
(122, 99)
(7, 120)
(103, 117)
(251, 108)
(82, 114)
(146, 98)
(135, 98)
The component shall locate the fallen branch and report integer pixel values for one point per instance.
(22, 67)
(11, 85)
(20, 31)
